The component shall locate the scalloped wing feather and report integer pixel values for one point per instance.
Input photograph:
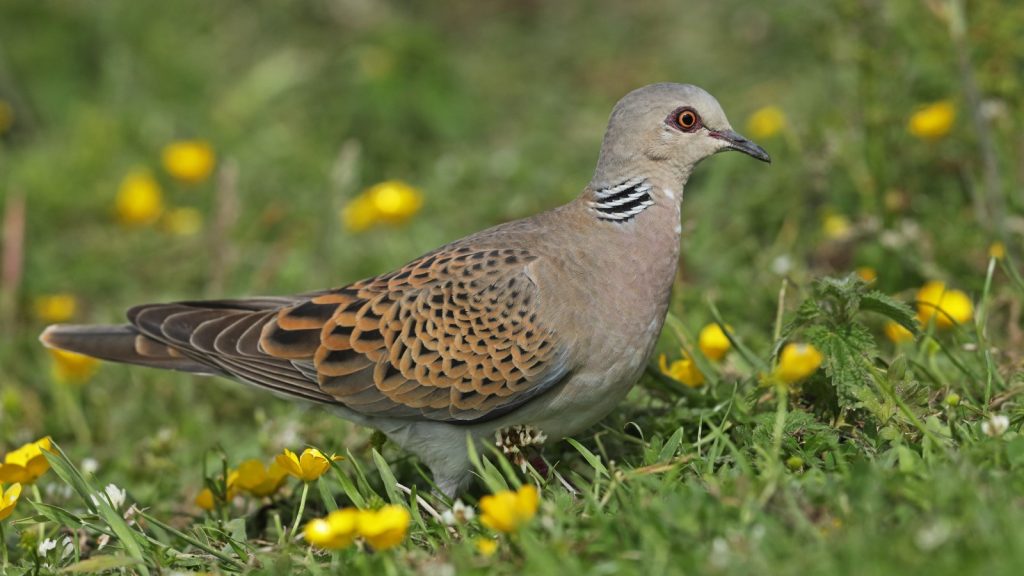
(453, 336)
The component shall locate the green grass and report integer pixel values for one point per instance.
(495, 111)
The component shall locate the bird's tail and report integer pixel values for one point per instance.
(118, 343)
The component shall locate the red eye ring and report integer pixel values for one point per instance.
(688, 120)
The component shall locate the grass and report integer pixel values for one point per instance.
(878, 463)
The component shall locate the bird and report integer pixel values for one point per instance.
(541, 324)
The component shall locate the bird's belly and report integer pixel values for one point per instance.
(587, 396)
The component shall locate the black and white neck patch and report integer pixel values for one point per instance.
(622, 202)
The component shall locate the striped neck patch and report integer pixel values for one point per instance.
(622, 202)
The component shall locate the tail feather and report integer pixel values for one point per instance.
(119, 343)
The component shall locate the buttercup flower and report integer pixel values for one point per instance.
(55, 308)
(684, 371)
(713, 342)
(867, 273)
(72, 367)
(139, 199)
(506, 511)
(205, 499)
(766, 122)
(334, 532)
(183, 221)
(392, 201)
(997, 250)
(946, 307)
(311, 465)
(897, 333)
(384, 528)
(486, 546)
(797, 361)
(27, 463)
(260, 480)
(190, 161)
(9, 499)
(933, 121)
(836, 226)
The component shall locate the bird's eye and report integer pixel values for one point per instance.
(688, 120)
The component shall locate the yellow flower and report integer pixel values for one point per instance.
(997, 250)
(867, 273)
(185, 221)
(27, 463)
(308, 467)
(334, 532)
(486, 546)
(139, 199)
(205, 499)
(260, 480)
(72, 367)
(6, 116)
(797, 361)
(713, 342)
(836, 226)
(897, 333)
(359, 214)
(933, 121)
(384, 528)
(392, 201)
(9, 499)
(766, 122)
(506, 511)
(190, 161)
(946, 307)
(684, 371)
(56, 308)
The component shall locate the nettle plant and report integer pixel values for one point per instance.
(859, 386)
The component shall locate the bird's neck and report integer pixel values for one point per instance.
(622, 200)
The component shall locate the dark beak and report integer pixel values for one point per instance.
(739, 143)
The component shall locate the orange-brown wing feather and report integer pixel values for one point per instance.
(452, 336)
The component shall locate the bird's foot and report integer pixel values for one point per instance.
(521, 444)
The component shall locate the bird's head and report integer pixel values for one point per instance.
(666, 129)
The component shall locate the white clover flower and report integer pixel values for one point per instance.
(114, 495)
(996, 425)
(90, 466)
(46, 545)
(459, 513)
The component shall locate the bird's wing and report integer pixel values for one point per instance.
(452, 336)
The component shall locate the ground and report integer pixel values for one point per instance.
(894, 130)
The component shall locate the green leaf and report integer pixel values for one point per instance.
(97, 502)
(100, 564)
(844, 292)
(488, 473)
(891, 308)
(350, 488)
(671, 446)
(390, 483)
(846, 348)
(591, 458)
(57, 514)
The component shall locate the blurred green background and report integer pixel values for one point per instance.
(492, 111)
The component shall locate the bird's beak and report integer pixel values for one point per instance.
(741, 144)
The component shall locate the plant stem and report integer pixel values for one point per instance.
(302, 507)
(3, 546)
(779, 310)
